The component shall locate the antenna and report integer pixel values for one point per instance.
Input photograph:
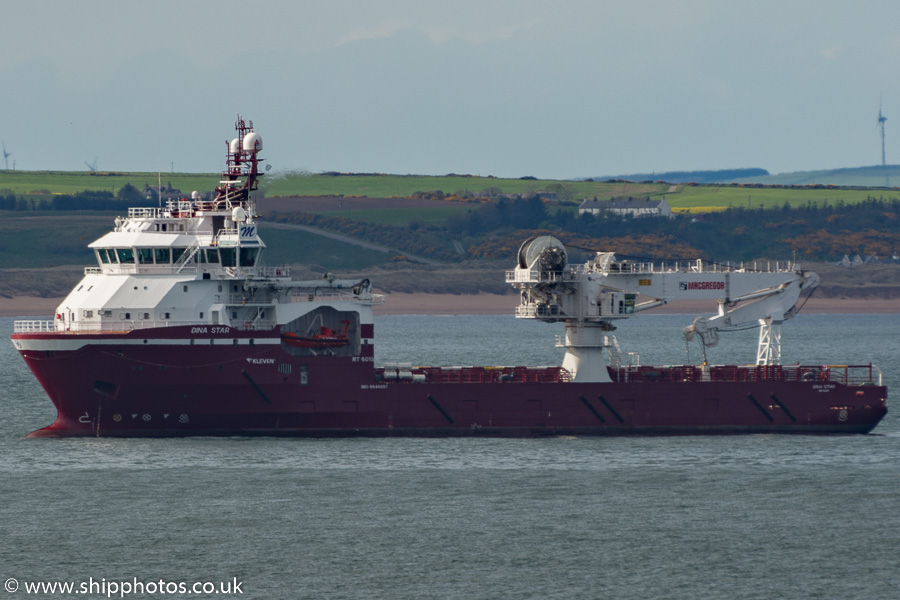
(6, 156)
(881, 120)
(92, 166)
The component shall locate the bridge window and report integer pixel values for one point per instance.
(248, 256)
(126, 256)
(212, 255)
(162, 255)
(104, 257)
(145, 256)
(229, 258)
(176, 253)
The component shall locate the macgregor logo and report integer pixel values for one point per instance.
(702, 285)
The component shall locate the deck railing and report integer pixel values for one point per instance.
(822, 374)
(130, 325)
(404, 373)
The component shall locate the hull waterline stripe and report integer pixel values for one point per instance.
(783, 407)
(440, 408)
(761, 409)
(64, 344)
(592, 409)
(611, 409)
(256, 387)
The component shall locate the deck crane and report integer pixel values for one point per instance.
(589, 298)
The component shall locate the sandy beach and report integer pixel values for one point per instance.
(490, 304)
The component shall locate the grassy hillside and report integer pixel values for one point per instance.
(317, 253)
(769, 197)
(299, 184)
(40, 240)
(70, 182)
(874, 176)
(386, 186)
(462, 234)
(402, 216)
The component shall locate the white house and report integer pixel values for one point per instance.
(637, 207)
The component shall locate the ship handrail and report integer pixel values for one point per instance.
(261, 297)
(273, 271)
(338, 296)
(538, 310)
(404, 373)
(572, 272)
(142, 212)
(191, 267)
(186, 257)
(225, 235)
(136, 269)
(109, 326)
(34, 326)
(822, 375)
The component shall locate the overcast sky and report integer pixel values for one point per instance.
(551, 89)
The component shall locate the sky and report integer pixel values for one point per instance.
(562, 89)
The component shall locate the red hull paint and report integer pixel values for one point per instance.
(157, 389)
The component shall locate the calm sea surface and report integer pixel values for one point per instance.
(644, 518)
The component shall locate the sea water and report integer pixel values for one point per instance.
(760, 516)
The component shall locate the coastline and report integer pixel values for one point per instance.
(493, 304)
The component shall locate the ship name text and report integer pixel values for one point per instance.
(217, 329)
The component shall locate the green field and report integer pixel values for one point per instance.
(434, 215)
(386, 186)
(39, 240)
(747, 197)
(70, 182)
(36, 240)
(38, 183)
(287, 247)
(376, 186)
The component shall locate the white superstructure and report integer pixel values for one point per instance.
(199, 262)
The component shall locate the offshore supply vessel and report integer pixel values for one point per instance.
(181, 330)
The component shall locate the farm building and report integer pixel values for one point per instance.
(636, 207)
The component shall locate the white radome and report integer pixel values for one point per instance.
(252, 142)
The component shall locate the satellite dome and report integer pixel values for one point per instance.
(235, 146)
(195, 195)
(239, 214)
(252, 142)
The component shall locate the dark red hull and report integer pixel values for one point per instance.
(153, 388)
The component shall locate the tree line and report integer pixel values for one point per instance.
(127, 196)
(814, 230)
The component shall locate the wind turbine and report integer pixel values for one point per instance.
(92, 166)
(881, 120)
(6, 156)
